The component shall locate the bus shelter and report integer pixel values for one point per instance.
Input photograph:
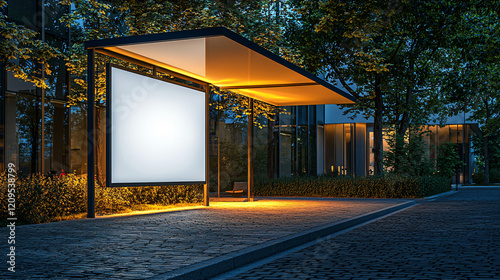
(210, 56)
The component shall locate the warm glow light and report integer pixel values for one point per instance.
(206, 58)
(157, 129)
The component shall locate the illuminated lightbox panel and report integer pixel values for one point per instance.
(156, 131)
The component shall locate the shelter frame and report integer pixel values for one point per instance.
(254, 81)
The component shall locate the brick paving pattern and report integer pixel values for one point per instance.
(138, 247)
(457, 237)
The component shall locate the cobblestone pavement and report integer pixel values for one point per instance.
(138, 247)
(457, 237)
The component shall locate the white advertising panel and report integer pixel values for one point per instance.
(156, 131)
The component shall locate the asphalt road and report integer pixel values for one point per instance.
(455, 237)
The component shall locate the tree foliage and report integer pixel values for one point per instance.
(21, 51)
(448, 161)
(472, 82)
(395, 56)
(91, 20)
(96, 20)
(404, 60)
(408, 155)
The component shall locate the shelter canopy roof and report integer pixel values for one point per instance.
(225, 59)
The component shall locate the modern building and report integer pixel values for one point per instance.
(349, 142)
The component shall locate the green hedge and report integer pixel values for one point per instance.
(478, 177)
(362, 187)
(41, 199)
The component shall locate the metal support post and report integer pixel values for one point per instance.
(218, 157)
(206, 200)
(250, 150)
(90, 133)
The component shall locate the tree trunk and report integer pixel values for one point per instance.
(404, 123)
(34, 141)
(486, 140)
(217, 130)
(34, 147)
(486, 160)
(377, 128)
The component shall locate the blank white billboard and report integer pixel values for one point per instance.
(156, 131)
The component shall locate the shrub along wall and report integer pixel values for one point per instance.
(363, 187)
(40, 198)
(478, 177)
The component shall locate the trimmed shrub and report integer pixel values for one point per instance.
(165, 195)
(495, 175)
(479, 178)
(448, 160)
(433, 185)
(41, 199)
(362, 187)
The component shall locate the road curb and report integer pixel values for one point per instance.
(227, 262)
(440, 195)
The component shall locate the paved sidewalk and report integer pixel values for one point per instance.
(138, 247)
(456, 237)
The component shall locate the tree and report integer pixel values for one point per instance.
(485, 109)
(472, 83)
(385, 53)
(410, 155)
(338, 39)
(26, 56)
(448, 161)
(95, 20)
(493, 151)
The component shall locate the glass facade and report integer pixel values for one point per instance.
(369, 150)
(349, 147)
(287, 146)
(35, 123)
(345, 148)
(296, 141)
(458, 134)
(2, 117)
(231, 147)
